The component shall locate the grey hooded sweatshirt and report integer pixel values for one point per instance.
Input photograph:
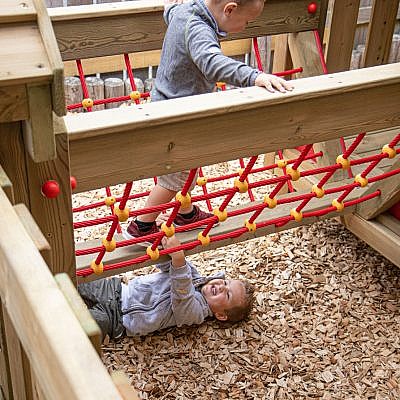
(191, 58)
(168, 298)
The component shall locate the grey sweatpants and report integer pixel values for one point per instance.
(103, 299)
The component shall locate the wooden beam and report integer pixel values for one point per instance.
(124, 386)
(390, 222)
(139, 26)
(13, 103)
(143, 59)
(390, 195)
(54, 57)
(380, 32)
(340, 44)
(232, 223)
(170, 133)
(12, 11)
(39, 134)
(61, 356)
(378, 236)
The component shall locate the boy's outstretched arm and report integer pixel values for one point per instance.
(177, 258)
(273, 83)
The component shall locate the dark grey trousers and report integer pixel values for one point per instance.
(103, 299)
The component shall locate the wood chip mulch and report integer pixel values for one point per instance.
(325, 325)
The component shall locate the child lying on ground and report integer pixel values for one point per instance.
(177, 295)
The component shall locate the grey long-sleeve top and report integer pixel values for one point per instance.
(168, 298)
(191, 58)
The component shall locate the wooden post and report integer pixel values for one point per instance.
(113, 87)
(394, 55)
(96, 90)
(380, 32)
(73, 91)
(5, 375)
(340, 44)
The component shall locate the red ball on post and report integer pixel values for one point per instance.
(50, 189)
(73, 182)
(312, 8)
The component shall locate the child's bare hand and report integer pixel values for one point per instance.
(273, 83)
(178, 257)
(169, 242)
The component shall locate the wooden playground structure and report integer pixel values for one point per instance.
(45, 330)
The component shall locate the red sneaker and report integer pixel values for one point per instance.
(199, 215)
(134, 231)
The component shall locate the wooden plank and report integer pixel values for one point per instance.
(13, 103)
(380, 32)
(19, 368)
(23, 58)
(139, 26)
(389, 221)
(321, 108)
(281, 60)
(340, 44)
(123, 385)
(39, 134)
(390, 195)
(54, 57)
(31, 227)
(143, 59)
(80, 310)
(376, 235)
(12, 159)
(54, 216)
(130, 252)
(6, 185)
(5, 376)
(14, 11)
(303, 51)
(61, 356)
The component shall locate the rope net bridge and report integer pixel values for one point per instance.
(260, 213)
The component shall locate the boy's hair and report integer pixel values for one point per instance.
(239, 2)
(241, 312)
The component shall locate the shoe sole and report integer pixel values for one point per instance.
(127, 236)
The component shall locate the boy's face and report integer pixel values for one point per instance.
(235, 17)
(222, 295)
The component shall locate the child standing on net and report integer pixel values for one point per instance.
(191, 63)
(176, 296)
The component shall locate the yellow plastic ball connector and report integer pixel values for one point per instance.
(168, 230)
(222, 215)
(122, 215)
(110, 201)
(344, 162)
(135, 95)
(339, 206)
(251, 226)
(153, 254)
(220, 85)
(270, 202)
(297, 215)
(242, 187)
(293, 173)
(185, 201)
(390, 151)
(109, 245)
(87, 103)
(97, 268)
(319, 192)
(360, 180)
(201, 180)
(205, 240)
(281, 163)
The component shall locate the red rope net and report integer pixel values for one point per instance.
(245, 180)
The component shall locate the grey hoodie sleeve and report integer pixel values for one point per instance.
(169, 11)
(205, 51)
(186, 307)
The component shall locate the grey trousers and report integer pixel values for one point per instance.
(103, 299)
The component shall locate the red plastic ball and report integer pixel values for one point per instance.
(50, 189)
(73, 182)
(312, 8)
